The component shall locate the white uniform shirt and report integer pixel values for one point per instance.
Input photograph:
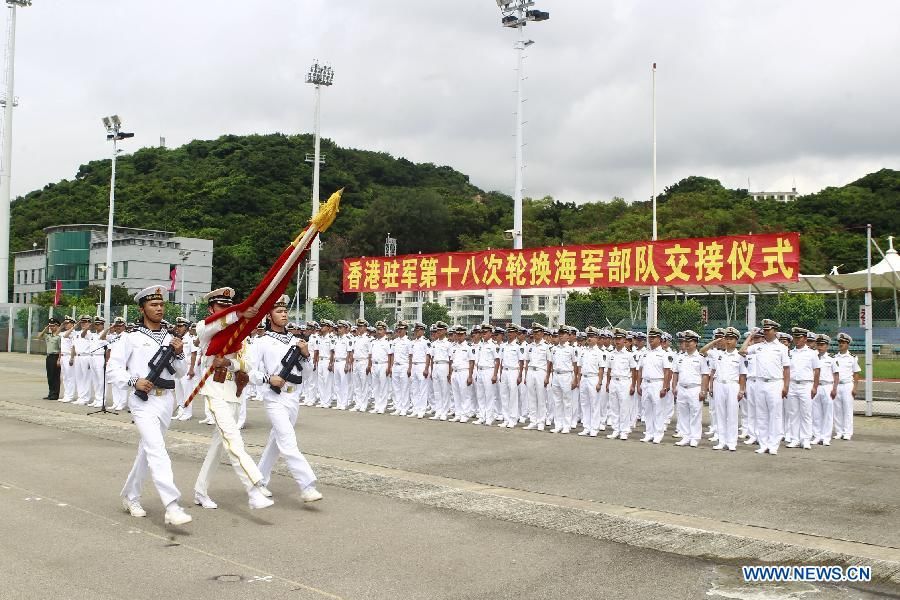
(130, 357)
(845, 365)
(691, 368)
(591, 361)
(565, 358)
(325, 345)
(803, 362)
(771, 358)
(750, 365)
(510, 355)
(420, 349)
(460, 355)
(400, 348)
(538, 355)
(380, 350)
(343, 345)
(826, 374)
(440, 351)
(268, 352)
(619, 363)
(84, 345)
(729, 366)
(712, 357)
(655, 362)
(486, 353)
(362, 347)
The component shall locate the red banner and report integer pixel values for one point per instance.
(731, 260)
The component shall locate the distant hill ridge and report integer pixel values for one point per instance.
(251, 194)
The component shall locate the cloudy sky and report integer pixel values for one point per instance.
(771, 90)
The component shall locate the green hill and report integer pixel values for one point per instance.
(251, 194)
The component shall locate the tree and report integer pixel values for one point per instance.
(325, 308)
(675, 315)
(432, 312)
(800, 310)
(376, 313)
(595, 308)
(119, 294)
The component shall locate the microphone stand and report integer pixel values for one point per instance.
(103, 409)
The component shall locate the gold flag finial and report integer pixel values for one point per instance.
(327, 213)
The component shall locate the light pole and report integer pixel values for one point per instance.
(517, 14)
(9, 101)
(318, 75)
(184, 254)
(652, 311)
(113, 126)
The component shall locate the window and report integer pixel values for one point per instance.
(124, 268)
(115, 269)
(18, 276)
(542, 303)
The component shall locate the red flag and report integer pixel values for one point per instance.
(173, 277)
(230, 339)
(58, 295)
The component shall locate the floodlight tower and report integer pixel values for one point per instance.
(114, 134)
(318, 75)
(8, 102)
(517, 14)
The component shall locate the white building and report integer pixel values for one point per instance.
(76, 255)
(780, 196)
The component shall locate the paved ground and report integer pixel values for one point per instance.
(429, 509)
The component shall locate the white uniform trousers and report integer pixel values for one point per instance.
(84, 380)
(537, 394)
(282, 441)
(360, 384)
(227, 435)
(561, 390)
(341, 388)
(769, 411)
(823, 413)
(152, 419)
(654, 410)
(727, 412)
(183, 388)
(669, 404)
(485, 392)
(799, 425)
(309, 391)
(98, 376)
(713, 407)
(509, 394)
(620, 404)
(600, 411)
(589, 398)
(68, 379)
(635, 410)
(523, 398)
(690, 412)
(400, 388)
(119, 396)
(380, 386)
(441, 388)
(743, 415)
(748, 410)
(843, 410)
(326, 383)
(418, 389)
(462, 393)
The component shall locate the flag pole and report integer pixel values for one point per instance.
(652, 312)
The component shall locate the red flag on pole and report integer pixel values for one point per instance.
(173, 277)
(58, 295)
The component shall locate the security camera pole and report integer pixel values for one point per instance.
(517, 14)
(6, 160)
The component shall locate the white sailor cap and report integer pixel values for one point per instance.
(223, 295)
(282, 302)
(154, 292)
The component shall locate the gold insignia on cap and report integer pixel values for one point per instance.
(226, 292)
(159, 290)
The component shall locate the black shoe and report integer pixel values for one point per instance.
(52, 398)
(47, 398)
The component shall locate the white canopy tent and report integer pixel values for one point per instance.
(883, 275)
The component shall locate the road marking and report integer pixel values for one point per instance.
(264, 576)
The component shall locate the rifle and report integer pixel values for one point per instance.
(161, 362)
(288, 362)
